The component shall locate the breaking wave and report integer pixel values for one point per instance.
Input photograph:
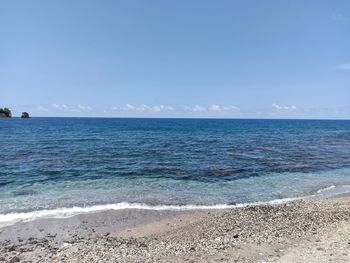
(12, 218)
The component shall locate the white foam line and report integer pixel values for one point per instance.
(12, 218)
(326, 189)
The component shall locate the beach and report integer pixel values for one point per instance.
(297, 231)
(175, 131)
(174, 190)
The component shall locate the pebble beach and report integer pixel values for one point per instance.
(298, 231)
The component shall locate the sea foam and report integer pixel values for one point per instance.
(326, 189)
(12, 218)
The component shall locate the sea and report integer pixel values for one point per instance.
(57, 167)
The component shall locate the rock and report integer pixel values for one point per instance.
(14, 259)
(25, 115)
(12, 248)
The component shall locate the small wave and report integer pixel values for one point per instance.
(24, 192)
(12, 218)
(325, 189)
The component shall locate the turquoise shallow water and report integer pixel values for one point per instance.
(50, 163)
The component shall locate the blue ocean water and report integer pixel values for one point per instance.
(50, 163)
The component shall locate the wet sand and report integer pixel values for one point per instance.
(299, 231)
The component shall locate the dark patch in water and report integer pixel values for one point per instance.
(224, 170)
(164, 170)
(24, 192)
(3, 183)
(58, 163)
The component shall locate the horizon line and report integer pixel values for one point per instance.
(189, 118)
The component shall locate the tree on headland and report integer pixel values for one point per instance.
(5, 112)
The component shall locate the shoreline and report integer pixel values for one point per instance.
(12, 218)
(67, 212)
(270, 232)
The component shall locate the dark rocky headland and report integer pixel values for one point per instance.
(5, 113)
(25, 115)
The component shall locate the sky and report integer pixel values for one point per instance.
(217, 59)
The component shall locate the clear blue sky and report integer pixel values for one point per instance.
(260, 59)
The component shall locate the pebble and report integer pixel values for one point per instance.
(213, 235)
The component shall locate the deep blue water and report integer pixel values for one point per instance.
(63, 162)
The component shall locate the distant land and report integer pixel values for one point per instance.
(6, 113)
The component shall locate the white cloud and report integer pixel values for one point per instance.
(276, 106)
(64, 107)
(55, 106)
(223, 109)
(129, 107)
(42, 108)
(144, 108)
(198, 108)
(159, 108)
(84, 108)
(345, 66)
(232, 108)
(287, 108)
(59, 106)
(215, 107)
